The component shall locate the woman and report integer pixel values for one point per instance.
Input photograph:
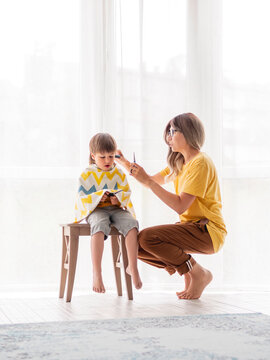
(197, 200)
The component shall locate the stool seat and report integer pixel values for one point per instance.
(70, 242)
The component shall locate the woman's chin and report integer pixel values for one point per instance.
(173, 149)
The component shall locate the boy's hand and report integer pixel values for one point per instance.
(114, 200)
(104, 198)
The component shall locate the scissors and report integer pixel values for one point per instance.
(134, 161)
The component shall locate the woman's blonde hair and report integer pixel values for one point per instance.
(101, 143)
(192, 129)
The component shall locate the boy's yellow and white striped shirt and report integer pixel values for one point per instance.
(93, 183)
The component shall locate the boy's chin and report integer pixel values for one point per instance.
(106, 168)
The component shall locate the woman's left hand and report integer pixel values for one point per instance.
(139, 174)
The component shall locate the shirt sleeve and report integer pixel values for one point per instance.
(195, 181)
(165, 172)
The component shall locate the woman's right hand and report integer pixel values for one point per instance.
(122, 160)
(120, 157)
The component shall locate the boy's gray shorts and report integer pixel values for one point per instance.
(101, 219)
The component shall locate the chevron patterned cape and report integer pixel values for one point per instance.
(93, 183)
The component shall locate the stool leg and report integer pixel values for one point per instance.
(63, 267)
(125, 263)
(116, 264)
(73, 252)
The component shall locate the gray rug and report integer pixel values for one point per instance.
(233, 336)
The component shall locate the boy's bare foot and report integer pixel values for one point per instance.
(200, 278)
(98, 285)
(134, 273)
(187, 283)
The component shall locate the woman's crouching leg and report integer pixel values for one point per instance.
(146, 254)
(162, 246)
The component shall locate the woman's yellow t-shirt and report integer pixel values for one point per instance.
(199, 178)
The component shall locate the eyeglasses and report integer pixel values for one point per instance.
(171, 132)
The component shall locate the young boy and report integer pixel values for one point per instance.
(104, 200)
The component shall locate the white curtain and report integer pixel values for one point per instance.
(39, 136)
(127, 67)
(246, 146)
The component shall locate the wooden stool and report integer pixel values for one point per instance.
(70, 243)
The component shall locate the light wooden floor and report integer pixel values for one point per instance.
(42, 308)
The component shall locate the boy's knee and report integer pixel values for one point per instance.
(102, 225)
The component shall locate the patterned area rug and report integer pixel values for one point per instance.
(233, 336)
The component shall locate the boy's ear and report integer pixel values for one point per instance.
(92, 156)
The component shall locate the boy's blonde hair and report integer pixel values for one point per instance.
(101, 143)
(192, 129)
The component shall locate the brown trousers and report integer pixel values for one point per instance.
(169, 246)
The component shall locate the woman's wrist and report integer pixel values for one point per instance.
(150, 183)
(124, 162)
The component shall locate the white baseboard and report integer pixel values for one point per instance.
(52, 290)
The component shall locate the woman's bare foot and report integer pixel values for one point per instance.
(187, 283)
(98, 285)
(200, 278)
(134, 273)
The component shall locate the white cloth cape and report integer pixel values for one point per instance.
(93, 183)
